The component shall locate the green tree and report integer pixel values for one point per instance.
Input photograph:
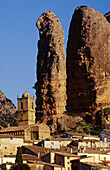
(19, 158)
(19, 161)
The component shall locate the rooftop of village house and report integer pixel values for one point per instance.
(81, 134)
(10, 136)
(35, 149)
(96, 150)
(59, 139)
(93, 164)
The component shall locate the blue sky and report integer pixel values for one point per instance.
(19, 36)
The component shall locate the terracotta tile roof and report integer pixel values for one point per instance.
(76, 134)
(19, 128)
(88, 140)
(95, 165)
(96, 151)
(10, 156)
(67, 154)
(38, 148)
(106, 161)
(50, 164)
(14, 128)
(53, 165)
(27, 157)
(80, 134)
(60, 139)
(9, 136)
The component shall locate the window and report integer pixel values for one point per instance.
(32, 106)
(21, 105)
(26, 104)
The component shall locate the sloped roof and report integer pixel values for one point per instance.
(67, 154)
(14, 128)
(60, 139)
(35, 149)
(20, 128)
(27, 157)
(80, 134)
(10, 136)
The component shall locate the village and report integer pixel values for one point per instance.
(40, 150)
(44, 136)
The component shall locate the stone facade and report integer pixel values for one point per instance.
(28, 133)
(13, 137)
(26, 110)
(9, 144)
(88, 61)
(51, 67)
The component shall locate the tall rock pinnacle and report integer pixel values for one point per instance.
(88, 61)
(51, 67)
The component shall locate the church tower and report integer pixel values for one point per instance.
(26, 110)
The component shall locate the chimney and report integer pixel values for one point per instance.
(8, 124)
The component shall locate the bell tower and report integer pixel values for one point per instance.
(26, 110)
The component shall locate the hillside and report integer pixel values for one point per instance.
(7, 111)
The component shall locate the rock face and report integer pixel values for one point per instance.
(7, 111)
(51, 67)
(107, 16)
(88, 61)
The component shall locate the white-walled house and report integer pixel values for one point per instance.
(56, 143)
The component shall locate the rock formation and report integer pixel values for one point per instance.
(7, 111)
(88, 61)
(51, 67)
(107, 16)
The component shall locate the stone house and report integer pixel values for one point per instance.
(66, 160)
(80, 136)
(26, 158)
(99, 155)
(34, 150)
(9, 144)
(92, 166)
(56, 143)
(69, 161)
(49, 157)
(13, 137)
(48, 166)
(27, 128)
(45, 166)
(28, 132)
(92, 143)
